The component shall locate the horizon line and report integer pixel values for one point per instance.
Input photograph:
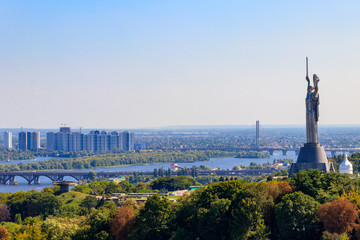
(198, 127)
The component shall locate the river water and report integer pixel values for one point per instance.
(222, 163)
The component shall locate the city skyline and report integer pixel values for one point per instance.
(127, 65)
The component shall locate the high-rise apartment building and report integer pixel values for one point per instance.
(8, 140)
(22, 141)
(35, 141)
(29, 141)
(96, 141)
(128, 141)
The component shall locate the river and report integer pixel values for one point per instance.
(222, 163)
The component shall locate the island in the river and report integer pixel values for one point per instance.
(252, 154)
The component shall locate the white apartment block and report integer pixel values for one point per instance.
(8, 140)
(96, 141)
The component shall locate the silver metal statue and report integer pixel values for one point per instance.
(312, 108)
(312, 154)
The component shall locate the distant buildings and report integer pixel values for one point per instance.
(257, 133)
(8, 140)
(22, 141)
(140, 146)
(96, 141)
(29, 141)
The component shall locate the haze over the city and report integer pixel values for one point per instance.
(132, 64)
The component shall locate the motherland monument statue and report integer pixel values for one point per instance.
(312, 154)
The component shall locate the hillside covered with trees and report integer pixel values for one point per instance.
(311, 205)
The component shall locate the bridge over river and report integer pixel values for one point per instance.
(271, 150)
(34, 176)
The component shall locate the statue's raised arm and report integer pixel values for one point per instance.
(307, 74)
(316, 81)
(308, 80)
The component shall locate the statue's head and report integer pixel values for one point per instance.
(310, 89)
(315, 79)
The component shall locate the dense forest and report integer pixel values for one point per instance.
(6, 154)
(311, 205)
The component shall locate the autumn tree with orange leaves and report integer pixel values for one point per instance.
(339, 216)
(122, 224)
(4, 234)
(279, 189)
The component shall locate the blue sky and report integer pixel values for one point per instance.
(130, 64)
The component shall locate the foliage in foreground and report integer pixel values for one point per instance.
(309, 206)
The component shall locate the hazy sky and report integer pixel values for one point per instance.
(130, 64)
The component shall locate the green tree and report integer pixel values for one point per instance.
(153, 220)
(322, 187)
(89, 202)
(213, 221)
(17, 218)
(46, 204)
(92, 175)
(309, 181)
(83, 233)
(126, 186)
(228, 190)
(99, 222)
(112, 187)
(60, 228)
(247, 221)
(15, 203)
(187, 220)
(97, 227)
(33, 204)
(336, 183)
(30, 232)
(172, 183)
(155, 173)
(297, 217)
(250, 209)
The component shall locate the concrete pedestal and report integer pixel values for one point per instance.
(64, 185)
(311, 156)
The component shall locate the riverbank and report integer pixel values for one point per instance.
(222, 163)
(115, 159)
